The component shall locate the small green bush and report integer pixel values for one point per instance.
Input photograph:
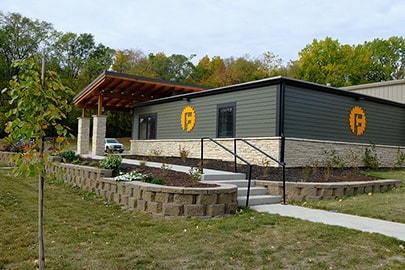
(111, 162)
(371, 158)
(69, 157)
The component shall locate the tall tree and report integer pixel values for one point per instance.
(20, 37)
(387, 59)
(176, 67)
(38, 106)
(133, 62)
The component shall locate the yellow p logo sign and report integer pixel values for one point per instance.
(187, 119)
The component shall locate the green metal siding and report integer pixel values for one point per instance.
(325, 116)
(255, 114)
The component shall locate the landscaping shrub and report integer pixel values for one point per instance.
(111, 162)
(69, 156)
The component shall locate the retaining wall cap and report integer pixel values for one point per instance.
(330, 184)
(173, 189)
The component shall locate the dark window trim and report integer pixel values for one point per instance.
(139, 126)
(227, 105)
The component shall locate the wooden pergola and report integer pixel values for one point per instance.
(112, 91)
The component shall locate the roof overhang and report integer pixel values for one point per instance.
(114, 91)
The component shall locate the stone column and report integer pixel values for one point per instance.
(83, 135)
(99, 130)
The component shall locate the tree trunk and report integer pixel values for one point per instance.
(41, 258)
(41, 180)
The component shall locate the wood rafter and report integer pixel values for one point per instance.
(121, 91)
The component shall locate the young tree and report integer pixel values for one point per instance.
(38, 104)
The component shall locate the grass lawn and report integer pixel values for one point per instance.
(82, 231)
(388, 205)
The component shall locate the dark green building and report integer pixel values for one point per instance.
(272, 108)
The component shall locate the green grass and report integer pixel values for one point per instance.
(387, 205)
(82, 231)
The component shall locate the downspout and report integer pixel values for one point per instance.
(281, 132)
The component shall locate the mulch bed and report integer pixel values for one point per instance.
(171, 178)
(258, 172)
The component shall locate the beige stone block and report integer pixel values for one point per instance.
(132, 202)
(183, 199)
(231, 207)
(226, 198)
(154, 207)
(172, 209)
(215, 210)
(162, 197)
(141, 205)
(149, 196)
(207, 199)
(194, 210)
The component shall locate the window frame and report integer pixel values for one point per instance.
(148, 133)
(223, 106)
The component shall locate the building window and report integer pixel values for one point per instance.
(147, 127)
(226, 120)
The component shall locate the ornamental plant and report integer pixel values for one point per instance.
(111, 162)
(39, 104)
(137, 176)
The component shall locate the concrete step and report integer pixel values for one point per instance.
(242, 191)
(222, 176)
(259, 199)
(238, 183)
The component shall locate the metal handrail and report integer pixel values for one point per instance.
(265, 154)
(235, 156)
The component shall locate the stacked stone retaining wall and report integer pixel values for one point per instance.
(150, 198)
(155, 199)
(311, 191)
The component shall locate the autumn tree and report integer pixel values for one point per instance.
(39, 103)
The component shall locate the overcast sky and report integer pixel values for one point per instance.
(222, 28)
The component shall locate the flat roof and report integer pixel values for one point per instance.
(273, 81)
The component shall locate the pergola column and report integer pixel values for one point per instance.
(83, 135)
(99, 131)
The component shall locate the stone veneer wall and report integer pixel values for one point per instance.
(150, 198)
(301, 191)
(298, 152)
(303, 152)
(173, 148)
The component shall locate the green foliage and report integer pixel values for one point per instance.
(160, 242)
(111, 162)
(333, 160)
(37, 108)
(400, 158)
(328, 61)
(195, 173)
(69, 156)
(371, 158)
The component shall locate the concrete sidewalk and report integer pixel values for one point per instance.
(371, 225)
(178, 168)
